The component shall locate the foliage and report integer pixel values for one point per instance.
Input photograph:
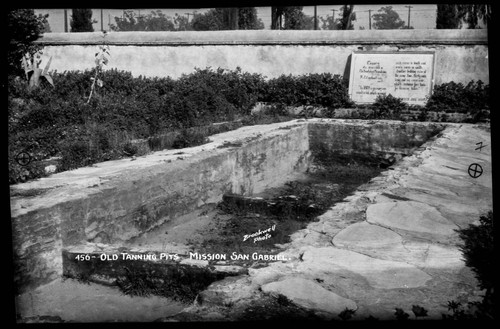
(155, 21)
(248, 20)
(388, 107)
(328, 23)
(473, 13)
(244, 18)
(347, 17)
(33, 72)
(455, 97)
(387, 19)
(81, 20)
(344, 23)
(323, 89)
(454, 16)
(295, 19)
(447, 17)
(478, 250)
(23, 28)
(209, 21)
(290, 18)
(346, 314)
(45, 22)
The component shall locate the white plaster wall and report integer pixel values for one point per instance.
(461, 56)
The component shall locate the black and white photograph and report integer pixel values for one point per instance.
(322, 162)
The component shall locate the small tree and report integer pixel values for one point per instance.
(23, 28)
(81, 20)
(387, 19)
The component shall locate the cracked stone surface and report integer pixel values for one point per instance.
(379, 273)
(410, 216)
(310, 295)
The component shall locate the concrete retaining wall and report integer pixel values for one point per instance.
(110, 205)
(461, 55)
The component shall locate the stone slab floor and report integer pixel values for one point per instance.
(391, 244)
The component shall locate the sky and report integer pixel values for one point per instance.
(422, 16)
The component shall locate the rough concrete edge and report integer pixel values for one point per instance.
(269, 37)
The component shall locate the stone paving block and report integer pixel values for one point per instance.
(410, 216)
(382, 274)
(310, 295)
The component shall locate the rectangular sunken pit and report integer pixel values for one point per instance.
(143, 206)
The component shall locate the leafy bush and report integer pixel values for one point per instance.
(324, 89)
(455, 97)
(58, 121)
(479, 254)
(478, 251)
(388, 107)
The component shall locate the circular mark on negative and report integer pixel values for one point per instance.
(23, 158)
(475, 170)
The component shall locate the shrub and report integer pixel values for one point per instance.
(388, 107)
(479, 254)
(58, 121)
(75, 154)
(455, 97)
(190, 137)
(324, 89)
(478, 251)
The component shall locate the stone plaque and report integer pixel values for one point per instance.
(405, 75)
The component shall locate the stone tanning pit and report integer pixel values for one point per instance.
(160, 224)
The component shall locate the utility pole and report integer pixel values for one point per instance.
(188, 14)
(370, 18)
(102, 22)
(65, 20)
(315, 18)
(409, 9)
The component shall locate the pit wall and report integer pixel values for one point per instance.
(118, 200)
(138, 199)
(374, 139)
(461, 55)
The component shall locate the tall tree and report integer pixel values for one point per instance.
(447, 17)
(387, 19)
(81, 20)
(23, 28)
(348, 16)
(230, 18)
(454, 16)
(290, 18)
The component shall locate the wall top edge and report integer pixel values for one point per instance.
(253, 37)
